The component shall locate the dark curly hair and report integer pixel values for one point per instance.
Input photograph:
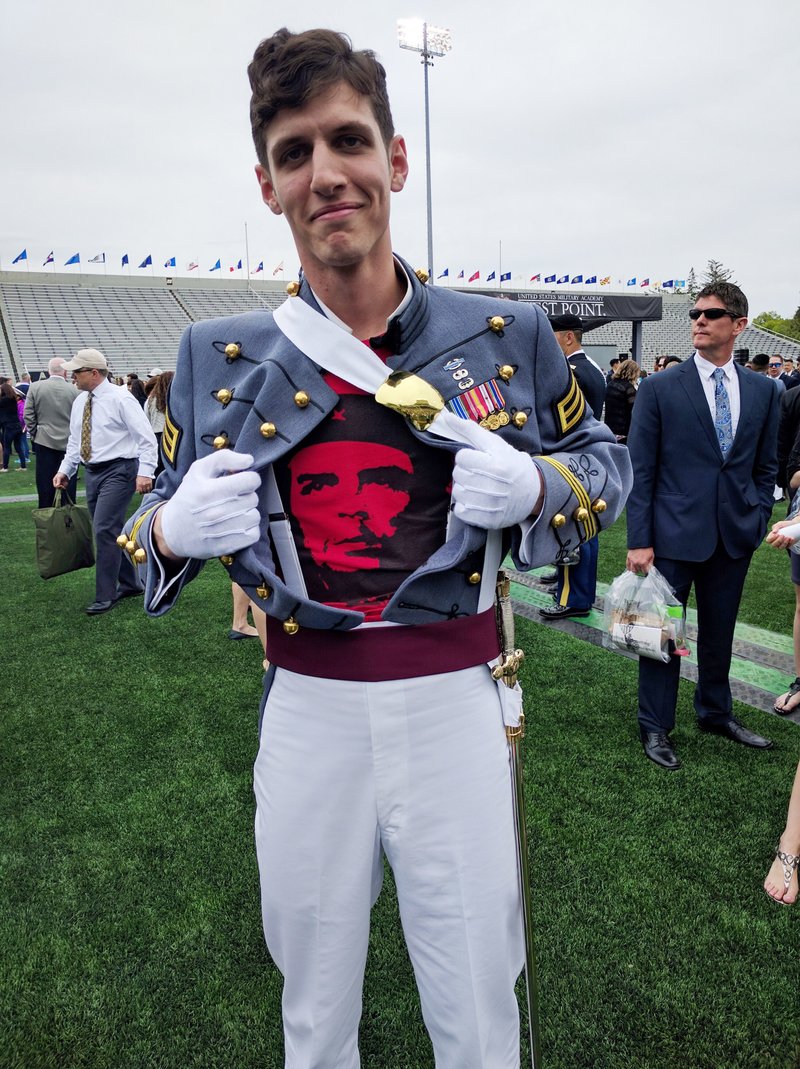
(289, 69)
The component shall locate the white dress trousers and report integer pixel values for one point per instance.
(418, 770)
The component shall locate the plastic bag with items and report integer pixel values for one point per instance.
(643, 616)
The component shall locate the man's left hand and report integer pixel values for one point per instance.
(495, 486)
(143, 484)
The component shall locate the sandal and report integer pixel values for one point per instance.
(783, 710)
(789, 863)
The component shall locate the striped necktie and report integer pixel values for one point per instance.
(86, 431)
(723, 424)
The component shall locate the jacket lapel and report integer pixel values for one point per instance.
(690, 381)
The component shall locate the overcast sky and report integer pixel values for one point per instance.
(625, 138)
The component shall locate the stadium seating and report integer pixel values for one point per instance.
(138, 322)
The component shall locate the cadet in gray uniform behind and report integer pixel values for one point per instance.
(370, 533)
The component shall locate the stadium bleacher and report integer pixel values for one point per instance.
(137, 322)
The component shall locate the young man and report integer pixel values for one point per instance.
(703, 447)
(382, 730)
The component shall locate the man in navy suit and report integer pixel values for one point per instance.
(703, 447)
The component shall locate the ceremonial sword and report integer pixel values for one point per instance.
(507, 670)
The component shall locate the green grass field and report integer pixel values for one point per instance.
(129, 912)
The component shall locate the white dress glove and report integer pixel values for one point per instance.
(213, 513)
(494, 485)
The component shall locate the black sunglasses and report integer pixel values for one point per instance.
(711, 313)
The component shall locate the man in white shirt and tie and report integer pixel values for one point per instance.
(703, 447)
(111, 435)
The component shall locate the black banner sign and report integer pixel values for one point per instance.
(594, 309)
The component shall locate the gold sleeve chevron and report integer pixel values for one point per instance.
(589, 527)
(170, 438)
(135, 529)
(570, 409)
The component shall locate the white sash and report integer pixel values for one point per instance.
(332, 348)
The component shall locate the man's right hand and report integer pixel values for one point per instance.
(640, 561)
(60, 482)
(213, 512)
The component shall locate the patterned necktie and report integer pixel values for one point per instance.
(86, 431)
(723, 424)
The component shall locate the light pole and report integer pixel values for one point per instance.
(429, 41)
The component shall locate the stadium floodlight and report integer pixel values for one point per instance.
(429, 41)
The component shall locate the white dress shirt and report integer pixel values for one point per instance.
(120, 430)
(706, 370)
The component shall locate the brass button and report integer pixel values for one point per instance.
(581, 515)
(301, 399)
(232, 350)
(226, 560)
(506, 372)
(268, 430)
(122, 541)
(599, 505)
(519, 419)
(292, 288)
(475, 578)
(130, 546)
(422, 275)
(290, 626)
(224, 396)
(220, 442)
(558, 520)
(497, 323)
(140, 556)
(263, 592)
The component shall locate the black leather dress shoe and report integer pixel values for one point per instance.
(561, 612)
(100, 606)
(659, 749)
(548, 577)
(732, 729)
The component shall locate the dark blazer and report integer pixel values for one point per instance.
(685, 496)
(788, 430)
(591, 380)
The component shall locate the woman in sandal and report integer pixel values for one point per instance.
(781, 881)
(790, 701)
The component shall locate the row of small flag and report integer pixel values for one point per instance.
(100, 258)
(574, 280)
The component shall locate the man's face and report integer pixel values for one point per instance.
(714, 338)
(331, 175)
(86, 378)
(775, 366)
(788, 367)
(347, 497)
(563, 337)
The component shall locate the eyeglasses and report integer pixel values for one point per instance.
(711, 313)
(775, 365)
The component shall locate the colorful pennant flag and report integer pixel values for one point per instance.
(170, 262)
(193, 266)
(550, 278)
(591, 281)
(22, 256)
(506, 277)
(473, 277)
(576, 279)
(536, 278)
(631, 282)
(605, 281)
(76, 259)
(49, 260)
(668, 285)
(489, 277)
(645, 283)
(562, 280)
(278, 269)
(260, 267)
(461, 273)
(99, 259)
(217, 267)
(445, 273)
(125, 260)
(147, 261)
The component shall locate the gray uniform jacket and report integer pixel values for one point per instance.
(47, 408)
(264, 396)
